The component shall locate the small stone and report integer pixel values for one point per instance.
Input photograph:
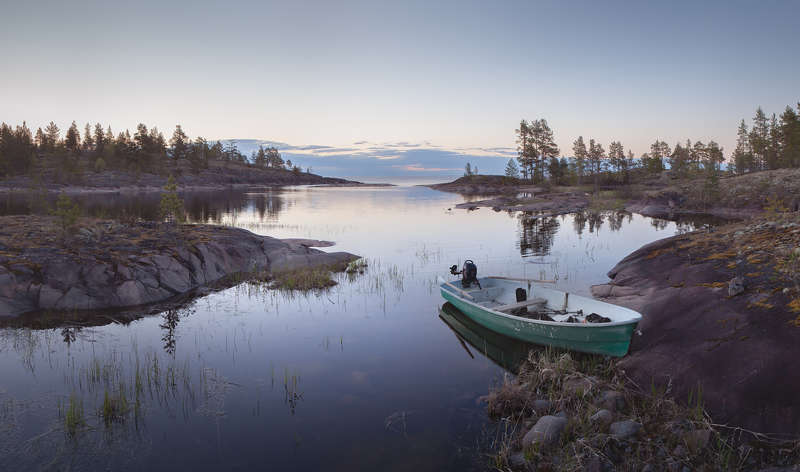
(547, 374)
(517, 461)
(611, 400)
(602, 418)
(547, 431)
(680, 451)
(542, 406)
(580, 386)
(625, 429)
(697, 440)
(735, 286)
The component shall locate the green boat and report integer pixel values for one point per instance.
(508, 353)
(493, 304)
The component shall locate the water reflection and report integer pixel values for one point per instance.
(506, 352)
(201, 206)
(537, 234)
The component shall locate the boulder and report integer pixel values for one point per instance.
(611, 400)
(625, 429)
(546, 432)
(602, 418)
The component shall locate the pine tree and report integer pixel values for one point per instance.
(40, 140)
(260, 158)
(511, 169)
(72, 140)
(171, 206)
(88, 141)
(580, 154)
(178, 143)
(742, 155)
(52, 133)
(790, 138)
(525, 149)
(596, 156)
(759, 140)
(544, 146)
(99, 139)
(467, 170)
(773, 144)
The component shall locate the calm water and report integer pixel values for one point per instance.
(368, 375)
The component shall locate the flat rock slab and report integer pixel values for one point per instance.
(109, 265)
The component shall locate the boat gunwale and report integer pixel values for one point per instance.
(636, 319)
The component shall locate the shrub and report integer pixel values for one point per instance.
(67, 212)
(171, 206)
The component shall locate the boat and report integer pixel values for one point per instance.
(508, 353)
(543, 315)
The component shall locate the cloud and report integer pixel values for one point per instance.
(419, 168)
(365, 158)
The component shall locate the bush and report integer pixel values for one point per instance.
(171, 206)
(67, 212)
(99, 165)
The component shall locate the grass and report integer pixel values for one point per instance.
(72, 415)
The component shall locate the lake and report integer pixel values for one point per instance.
(369, 375)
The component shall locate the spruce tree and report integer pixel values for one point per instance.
(525, 149)
(511, 169)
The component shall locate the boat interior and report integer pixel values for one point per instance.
(536, 302)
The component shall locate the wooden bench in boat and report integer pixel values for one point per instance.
(514, 306)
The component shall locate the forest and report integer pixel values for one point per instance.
(768, 144)
(96, 149)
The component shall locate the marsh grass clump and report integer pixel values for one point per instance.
(674, 434)
(301, 279)
(115, 406)
(358, 266)
(72, 415)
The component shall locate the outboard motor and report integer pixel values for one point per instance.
(469, 274)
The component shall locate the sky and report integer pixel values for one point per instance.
(427, 85)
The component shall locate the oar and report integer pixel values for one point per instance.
(441, 280)
(522, 280)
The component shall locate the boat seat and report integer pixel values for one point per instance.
(514, 306)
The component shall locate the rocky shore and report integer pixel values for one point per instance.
(735, 197)
(720, 313)
(217, 176)
(105, 264)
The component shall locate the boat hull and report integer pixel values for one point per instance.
(613, 340)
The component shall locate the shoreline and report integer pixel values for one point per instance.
(106, 264)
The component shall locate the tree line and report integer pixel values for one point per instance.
(23, 151)
(769, 144)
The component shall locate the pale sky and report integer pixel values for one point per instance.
(454, 75)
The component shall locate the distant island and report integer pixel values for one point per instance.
(97, 160)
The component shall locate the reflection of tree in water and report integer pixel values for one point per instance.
(659, 224)
(579, 222)
(595, 220)
(171, 318)
(268, 205)
(616, 218)
(70, 334)
(536, 235)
